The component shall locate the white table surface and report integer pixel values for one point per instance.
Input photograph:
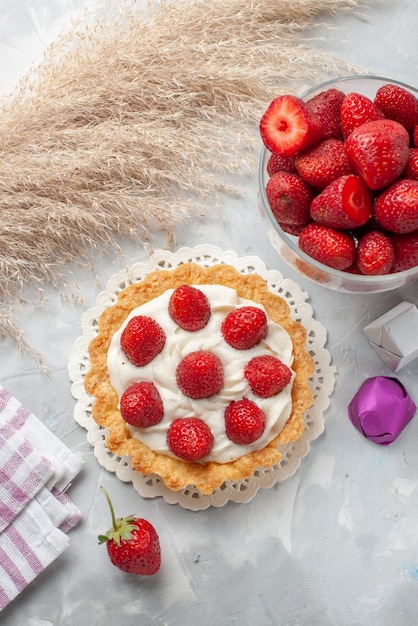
(337, 543)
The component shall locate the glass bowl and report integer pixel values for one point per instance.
(287, 245)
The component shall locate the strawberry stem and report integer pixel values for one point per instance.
(112, 511)
(121, 526)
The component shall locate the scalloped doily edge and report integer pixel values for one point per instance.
(322, 381)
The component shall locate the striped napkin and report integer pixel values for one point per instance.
(36, 514)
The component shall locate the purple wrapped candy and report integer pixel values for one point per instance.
(381, 409)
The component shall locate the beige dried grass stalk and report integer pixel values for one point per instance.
(131, 121)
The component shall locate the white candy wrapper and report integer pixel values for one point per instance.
(394, 336)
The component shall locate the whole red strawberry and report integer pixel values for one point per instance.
(287, 127)
(399, 104)
(289, 198)
(141, 405)
(346, 203)
(396, 208)
(244, 421)
(132, 544)
(320, 165)
(189, 308)
(267, 375)
(244, 327)
(326, 107)
(329, 246)
(411, 170)
(200, 374)
(378, 151)
(375, 253)
(189, 438)
(406, 251)
(292, 229)
(142, 339)
(279, 163)
(357, 109)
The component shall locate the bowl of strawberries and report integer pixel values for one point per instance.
(338, 182)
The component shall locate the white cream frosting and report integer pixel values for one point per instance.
(161, 370)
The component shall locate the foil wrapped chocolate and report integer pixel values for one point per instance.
(381, 409)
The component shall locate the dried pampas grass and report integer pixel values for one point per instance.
(132, 120)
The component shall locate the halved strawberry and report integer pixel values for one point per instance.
(244, 421)
(375, 253)
(189, 308)
(346, 203)
(289, 198)
(399, 104)
(320, 165)
(287, 127)
(329, 246)
(406, 251)
(396, 208)
(326, 106)
(378, 151)
(357, 109)
(189, 438)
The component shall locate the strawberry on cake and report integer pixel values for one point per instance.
(198, 374)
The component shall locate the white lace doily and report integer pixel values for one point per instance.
(322, 382)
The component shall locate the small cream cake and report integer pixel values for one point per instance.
(111, 373)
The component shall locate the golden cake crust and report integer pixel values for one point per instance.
(175, 473)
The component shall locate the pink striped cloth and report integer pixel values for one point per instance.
(36, 513)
